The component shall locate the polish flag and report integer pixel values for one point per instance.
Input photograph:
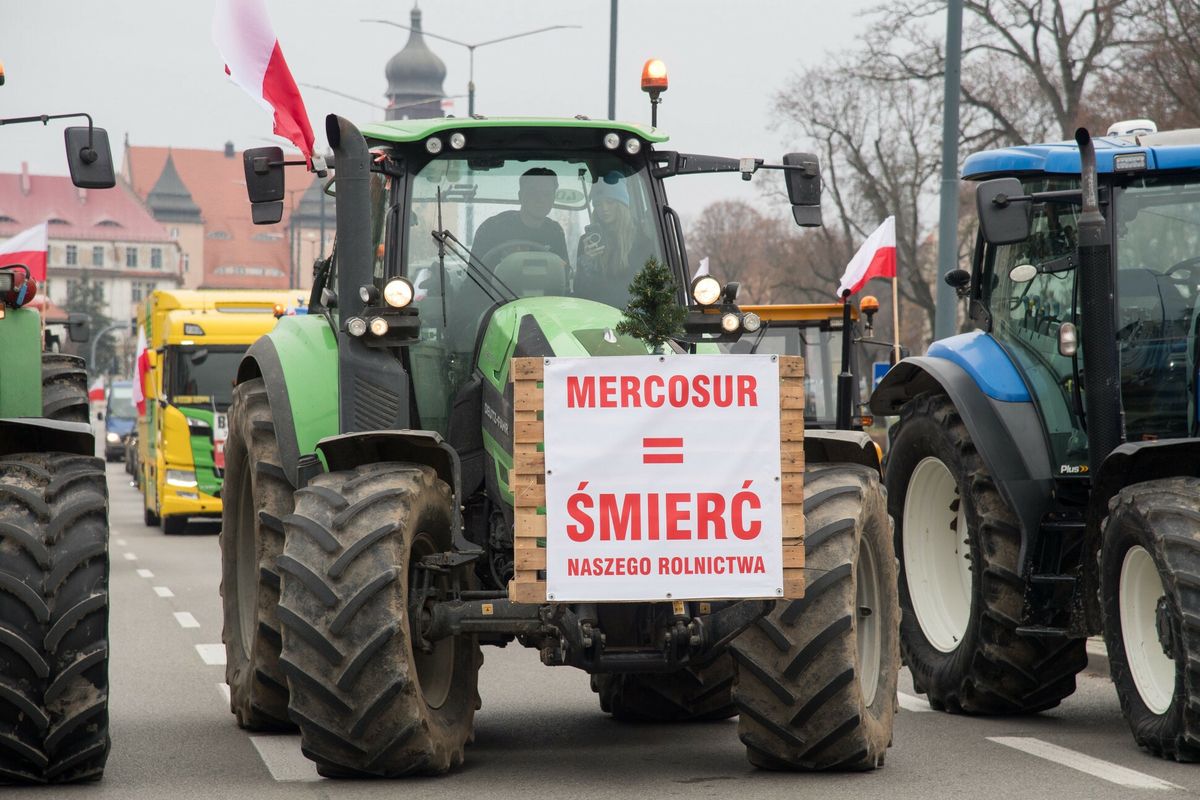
(96, 391)
(875, 259)
(243, 34)
(29, 248)
(141, 368)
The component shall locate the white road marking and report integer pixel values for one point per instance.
(145, 573)
(163, 591)
(186, 620)
(283, 758)
(910, 703)
(121, 542)
(130, 557)
(223, 688)
(1104, 770)
(213, 654)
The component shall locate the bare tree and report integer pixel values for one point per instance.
(878, 145)
(1028, 65)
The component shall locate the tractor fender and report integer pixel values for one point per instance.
(1007, 433)
(1135, 462)
(843, 447)
(298, 363)
(38, 435)
(350, 450)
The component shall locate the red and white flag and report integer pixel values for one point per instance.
(29, 248)
(875, 259)
(96, 391)
(141, 368)
(243, 34)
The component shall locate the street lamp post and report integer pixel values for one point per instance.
(471, 48)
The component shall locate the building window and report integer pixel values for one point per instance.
(72, 255)
(156, 258)
(174, 233)
(98, 256)
(131, 259)
(218, 235)
(186, 262)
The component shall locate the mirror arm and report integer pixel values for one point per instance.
(88, 154)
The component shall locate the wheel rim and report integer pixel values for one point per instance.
(937, 563)
(435, 670)
(247, 560)
(1140, 590)
(870, 626)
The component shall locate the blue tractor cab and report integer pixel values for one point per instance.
(1038, 502)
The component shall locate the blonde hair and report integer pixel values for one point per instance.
(619, 244)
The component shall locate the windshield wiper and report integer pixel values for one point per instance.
(475, 268)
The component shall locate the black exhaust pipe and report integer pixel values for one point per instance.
(1102, 370)
(372, 385)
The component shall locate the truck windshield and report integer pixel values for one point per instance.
(201, 375)
(822, 351)
(1158, 285)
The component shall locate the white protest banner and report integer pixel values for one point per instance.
(662, 478)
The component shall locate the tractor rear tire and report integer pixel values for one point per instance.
(976, 663)
(64, 388)
(368, 702)
(256, 497)
(1150, 588)
(692, 694)
(815, 682)
(53, 618)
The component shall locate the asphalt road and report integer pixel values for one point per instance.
(540, 732)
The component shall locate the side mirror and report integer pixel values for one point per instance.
(79, 327)
(1002, 219)
(959, 279)
(264, 183)
(90, 158)
(804, 188)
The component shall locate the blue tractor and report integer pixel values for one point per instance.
(1038, 502)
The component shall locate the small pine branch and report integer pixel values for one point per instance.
(653, 314)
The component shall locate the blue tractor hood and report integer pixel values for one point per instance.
(1167, 150)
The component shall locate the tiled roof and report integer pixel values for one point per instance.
(103, 214)
(237, 253)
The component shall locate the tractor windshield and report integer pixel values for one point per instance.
(577, 225)
(1157, 240)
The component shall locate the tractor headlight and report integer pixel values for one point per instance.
(181, 477)
(633, 146)
(398, 293)
(112, 437)
(751, 321)
(706, 290)
(356, 326)
(433, 145)
(612, 141)
(458, 141)
(379, 326)
(730, 322)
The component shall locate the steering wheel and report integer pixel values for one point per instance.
(492, 258)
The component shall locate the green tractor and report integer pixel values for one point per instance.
(53, 532)
(368, 529)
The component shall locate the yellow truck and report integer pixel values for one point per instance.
(195, 341)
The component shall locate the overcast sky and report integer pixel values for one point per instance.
(148, 68)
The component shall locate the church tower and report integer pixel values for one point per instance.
(415, 77)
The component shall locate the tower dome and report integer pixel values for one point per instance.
(415, 77)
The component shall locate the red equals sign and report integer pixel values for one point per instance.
(664, 445)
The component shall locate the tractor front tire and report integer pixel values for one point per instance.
(815, 684)
(1150, 587)
(64, 388)
(53, 618)
(368, 700)
(256, 497)
(691, 694)
(961, 589)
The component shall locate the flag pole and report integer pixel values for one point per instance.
(895, 320)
